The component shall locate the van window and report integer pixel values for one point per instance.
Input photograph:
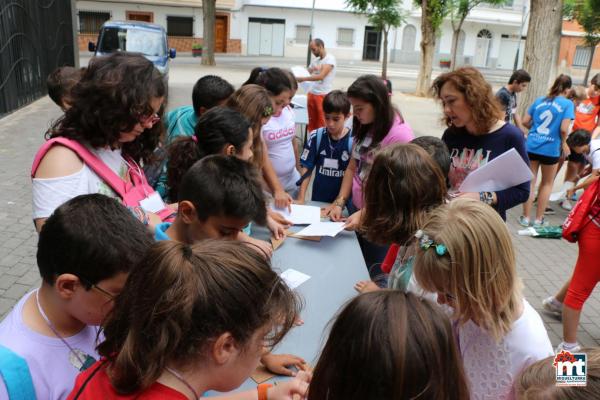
(147, 42)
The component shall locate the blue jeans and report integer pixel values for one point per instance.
(372, 253)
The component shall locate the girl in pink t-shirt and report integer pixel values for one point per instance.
(377, 124)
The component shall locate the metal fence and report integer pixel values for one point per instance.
(36, 36)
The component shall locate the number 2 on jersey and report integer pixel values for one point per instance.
(546, 118)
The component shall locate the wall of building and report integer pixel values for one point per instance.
(328, 18)
(326, 24)
(118, 11)
(573, 37)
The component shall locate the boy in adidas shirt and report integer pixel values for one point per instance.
(327, 151)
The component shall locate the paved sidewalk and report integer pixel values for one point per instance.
(543, 264)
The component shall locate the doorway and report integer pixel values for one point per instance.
(220, 34)
(372, 44)
(266, 37)
(482, 48)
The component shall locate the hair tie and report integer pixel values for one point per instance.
(425, 243)
(187, 251)
(268, 111)
(194, 138)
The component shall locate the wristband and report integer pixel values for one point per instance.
(340, 201)
(486, 197)
(262, 390)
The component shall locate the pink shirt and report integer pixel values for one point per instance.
(364, 154)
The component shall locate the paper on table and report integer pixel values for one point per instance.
(301, 215)
(294, 278)
(322, 229)
(505, 171)
(301, 72)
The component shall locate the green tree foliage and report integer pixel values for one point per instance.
(383, 15)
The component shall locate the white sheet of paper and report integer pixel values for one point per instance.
(505, 171)
(301, 72)
(301, 215)
(294, 278)
(322, 229)
(153, 203)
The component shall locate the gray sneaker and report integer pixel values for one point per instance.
(553, 307)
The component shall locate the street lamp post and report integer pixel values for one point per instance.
(312, 17)
(523, 18)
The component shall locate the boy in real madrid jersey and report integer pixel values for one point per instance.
(327, 151)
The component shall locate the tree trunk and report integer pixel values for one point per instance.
(385, 54)
(543, 34)
(454, 49)
(589, 66)
(427, 50)
(208, 18)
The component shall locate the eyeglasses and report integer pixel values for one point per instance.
(149, 119)
(105, 292)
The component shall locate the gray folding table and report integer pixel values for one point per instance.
(334, 266)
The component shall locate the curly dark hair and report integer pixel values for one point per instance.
(114, 92)
(478, 94)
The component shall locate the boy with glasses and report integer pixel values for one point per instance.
(85, 251)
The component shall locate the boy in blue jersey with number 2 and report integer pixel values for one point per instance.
(549, 118)
(327, 151)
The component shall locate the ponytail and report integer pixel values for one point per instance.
(216, 128)
(179, 298)
(562, 83)
(275, 80)
(253, 76)
(183, 153)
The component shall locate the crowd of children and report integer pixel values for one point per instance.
(153, 286)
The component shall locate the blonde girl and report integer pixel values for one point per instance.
(465, 255)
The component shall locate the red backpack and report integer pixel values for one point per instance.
(578, 217)
(131, 193)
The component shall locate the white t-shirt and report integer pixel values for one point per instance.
(50, 193)
(491, 368)
(278, 135)
(323, 86)
(594, 156)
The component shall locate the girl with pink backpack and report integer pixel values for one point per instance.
(102, 141)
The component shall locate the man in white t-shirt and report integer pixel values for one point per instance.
(322, 70)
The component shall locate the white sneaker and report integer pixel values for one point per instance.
(566, 204)
(552, 307)
(562, 347)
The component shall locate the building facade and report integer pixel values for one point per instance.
(489, 37)
(574, 55)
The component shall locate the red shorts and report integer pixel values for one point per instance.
(316, 116)
(587, 270)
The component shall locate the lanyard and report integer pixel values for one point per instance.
(136, 170)
(182, 380)
(53, 329)
(333, 148)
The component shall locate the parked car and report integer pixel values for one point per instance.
(134, 36)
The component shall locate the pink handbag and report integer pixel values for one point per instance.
(131, 193)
